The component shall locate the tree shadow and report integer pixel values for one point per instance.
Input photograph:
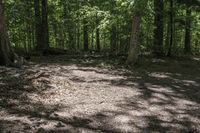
(167, 100)
(17, 108)
(172, 86)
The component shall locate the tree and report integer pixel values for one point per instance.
(135, 33)
(7, 55)
(135, 37)
(37, 23)
(85, 35)
(113, 38)
(171, 28)
(41, 24)
(45, 28)
(187, 48)
(159, 27)
(97, 34)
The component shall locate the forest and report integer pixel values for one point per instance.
(99, 66)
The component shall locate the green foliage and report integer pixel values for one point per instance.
(66, 23)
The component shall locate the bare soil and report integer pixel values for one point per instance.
(60, 95)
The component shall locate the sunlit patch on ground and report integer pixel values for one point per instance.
(87, 97)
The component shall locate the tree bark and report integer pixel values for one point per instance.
(97, 34)
(171, 28)
(85, 36)
(37, 24)
(187, 48)
(135, 40)
(45, 28)
(113, 38)
(159, 27)
(6, 53)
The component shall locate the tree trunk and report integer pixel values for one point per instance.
(167, 35)
(92, 41)
(78, 26)
(97, 34)
(171, 28)
(85, 36)
(6, 52)
(45, 29)
(135, 40)
(113, 38)
(71, 39)
(159, 27)
(38, 34)
(78, 37)
(28, 24)
(187, 48)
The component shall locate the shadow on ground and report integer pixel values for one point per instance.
(164, 97)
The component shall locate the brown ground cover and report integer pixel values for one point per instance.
(56, 94)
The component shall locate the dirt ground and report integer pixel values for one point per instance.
(60, 95)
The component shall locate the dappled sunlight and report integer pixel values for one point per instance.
(159, 75)
(191, 82)
(74, 98)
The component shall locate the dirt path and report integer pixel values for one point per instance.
(91, 97)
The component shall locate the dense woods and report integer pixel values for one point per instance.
(99, 66)
(158, 27)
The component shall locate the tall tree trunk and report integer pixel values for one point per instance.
(78, 26)
(113, 38)
(28, 25)
(6, 52)
(187, 48)
(85, 36)
(45, 27)
(171, 28)
(78, 37)
(159, 27)
(38, 27)
(92, 41)
(97, 34)
(72, 40)
(67, 26)
(135, 40)
(167, 35)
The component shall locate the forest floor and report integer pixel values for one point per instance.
(61, 95)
